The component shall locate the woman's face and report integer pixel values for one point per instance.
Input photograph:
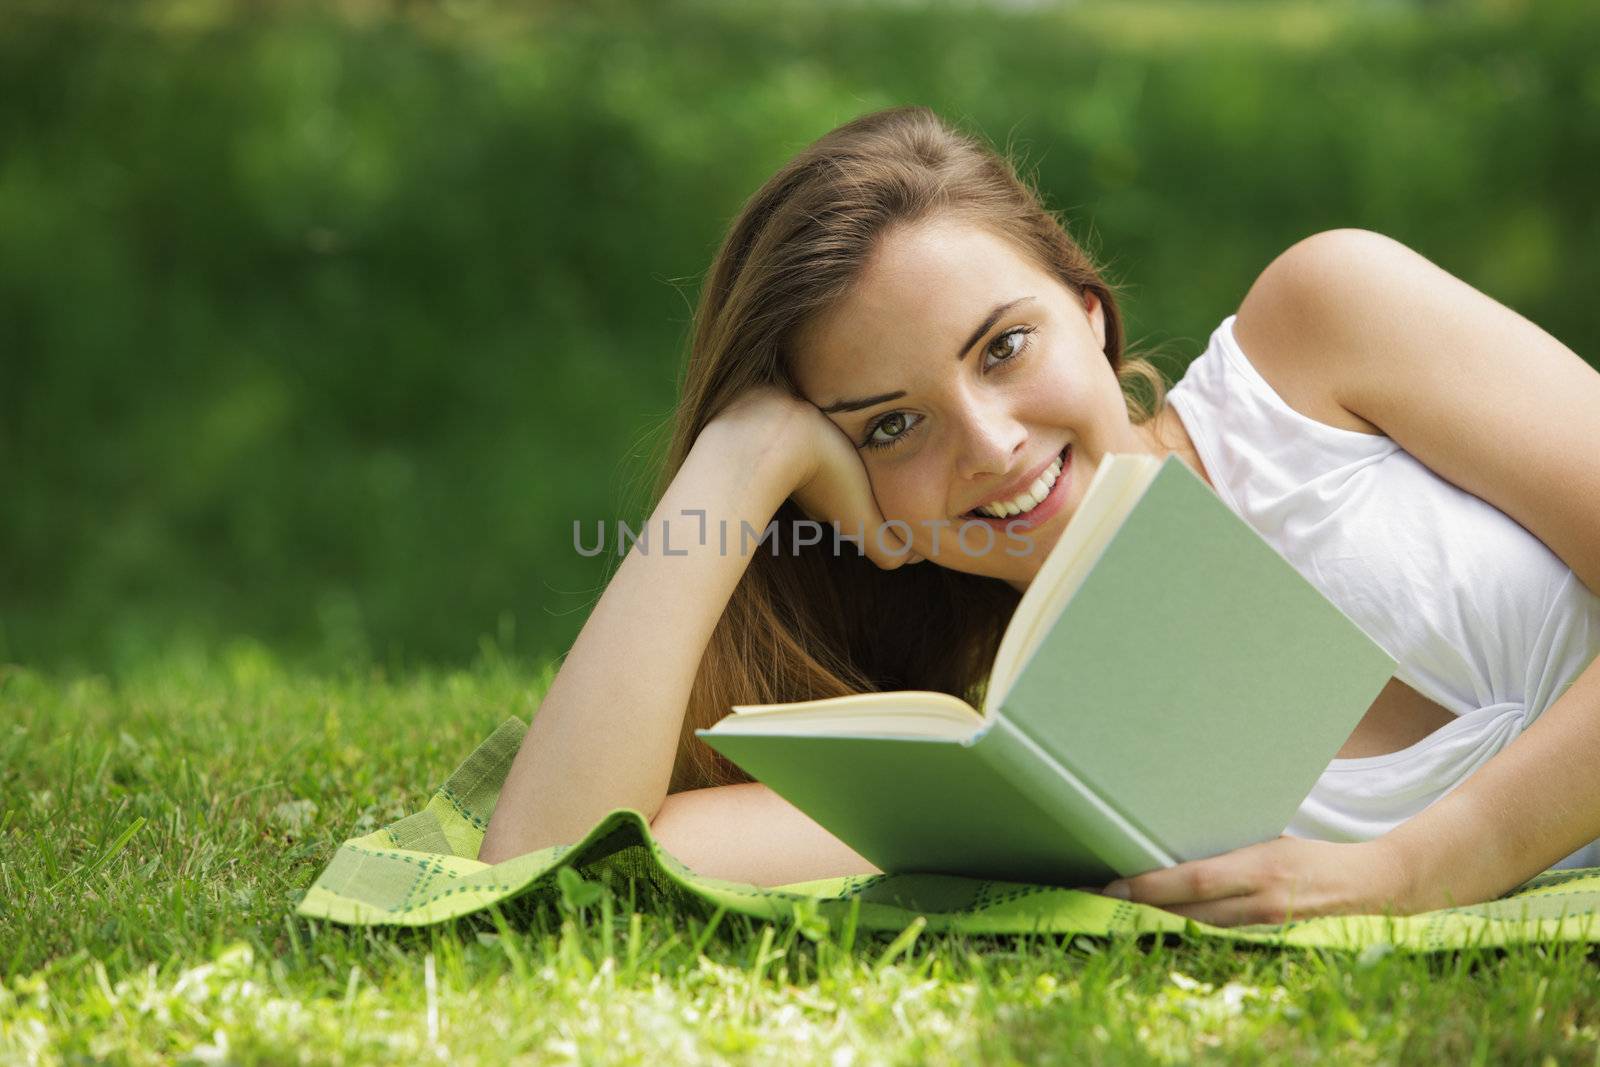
(978, 370)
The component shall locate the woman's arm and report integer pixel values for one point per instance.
(1499, 407)
(1503, 410)
(606, 733)
(748, 833)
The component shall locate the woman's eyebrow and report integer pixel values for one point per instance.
(983, 328)
(864, 402)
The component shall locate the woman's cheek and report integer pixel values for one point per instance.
(899, 498)
(913, 493)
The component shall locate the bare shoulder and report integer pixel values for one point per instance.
(1282, 343)
(1357, 322)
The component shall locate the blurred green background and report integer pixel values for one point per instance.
(321, 323)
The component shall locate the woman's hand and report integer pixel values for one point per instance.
(830, 482)
(1278, 880)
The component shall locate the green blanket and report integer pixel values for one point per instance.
(422, 869)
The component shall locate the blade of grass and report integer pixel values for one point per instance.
(106, 857)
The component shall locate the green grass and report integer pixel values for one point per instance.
(156, 832)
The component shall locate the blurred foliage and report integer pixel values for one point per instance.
(323, 322)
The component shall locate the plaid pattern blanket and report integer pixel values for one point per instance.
(423, 869)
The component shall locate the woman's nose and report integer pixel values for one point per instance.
(992, 443)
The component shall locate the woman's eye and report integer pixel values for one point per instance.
(897, 426)
(1007, 350)
(895, 421)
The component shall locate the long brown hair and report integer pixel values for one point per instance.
(808, 623)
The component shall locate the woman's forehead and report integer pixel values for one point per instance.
(937, 267)
(923, 289)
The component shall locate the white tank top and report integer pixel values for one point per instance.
(1478, 613)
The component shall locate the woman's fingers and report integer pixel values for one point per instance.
(1216, 878)
(839, 490)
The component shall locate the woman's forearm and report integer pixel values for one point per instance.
(748, 833)
(1535, 802)
(606, 734)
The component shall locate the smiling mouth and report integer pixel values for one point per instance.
(976, 514)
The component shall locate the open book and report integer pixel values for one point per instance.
(1168, 688)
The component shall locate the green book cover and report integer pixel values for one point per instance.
(1169, 688)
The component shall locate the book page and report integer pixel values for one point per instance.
(908, 713)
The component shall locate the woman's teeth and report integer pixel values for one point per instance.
(1028, 499)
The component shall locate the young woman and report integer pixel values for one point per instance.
(896, 336)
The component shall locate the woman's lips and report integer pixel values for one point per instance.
(1041, 512)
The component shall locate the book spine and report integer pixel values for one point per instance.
(1080, 811)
